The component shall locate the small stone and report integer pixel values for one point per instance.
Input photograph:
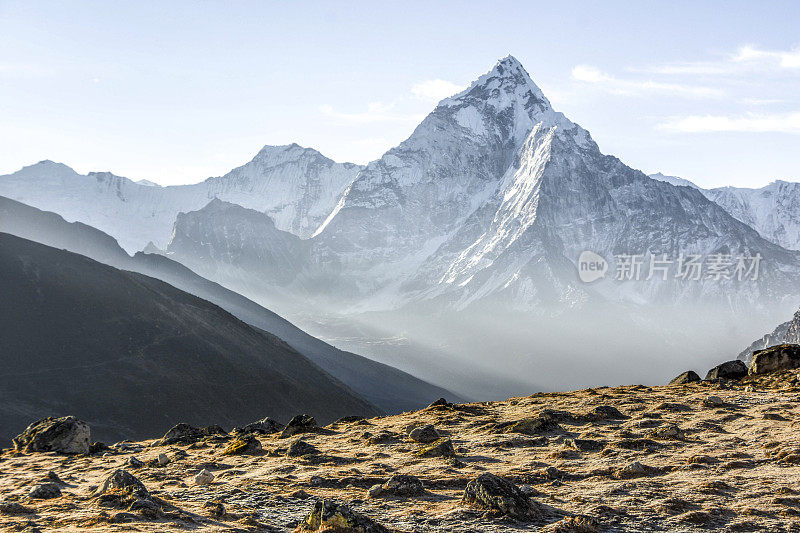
(349, 419)
(381, 438)
(635, 469)
(52, 477)
(300, 448)
(608, 412)
(124, 482)
(186, 434)
(66, 435)
(530, 426)
(243, 445)
(499, 496)
(265, 426)
(299, 424)
(424, 434)
(204, 477)
(441, 402)
(667, 432)
(133, 462)
(375, 490)
(687, 377)
(162, 459)
(45, 491)
(215, 509)
(441, 448)
(714, 401)
(332, 516)
(573, 524)
(14, 508)
(403, 485)
(300, 494)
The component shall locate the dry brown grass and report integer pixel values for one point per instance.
(731, 468)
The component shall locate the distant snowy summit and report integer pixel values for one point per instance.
(298, 187)
(772, 210)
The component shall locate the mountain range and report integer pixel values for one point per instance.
(387, 388)
(466, 234)
(132, 354)
(772, 210)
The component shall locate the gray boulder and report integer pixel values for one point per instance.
(775, 359)
(45, 491)
(266, 426)
(501, 496)
(66, 435)
(124, 482)
(183, 433)
(689, 376)
(332, 516)
(403, 485)
(734, 370)
(300, 448)
(424, 434)
(440, 448)
(299, 424)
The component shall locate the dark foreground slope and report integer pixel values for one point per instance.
(131, 354)
(386, 387)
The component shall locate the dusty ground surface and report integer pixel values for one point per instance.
(702, 467)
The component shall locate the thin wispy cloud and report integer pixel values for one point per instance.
(750, 123)
(632, 87)
(435, 90)
(747, 58)
(427, 91)
(788, 59)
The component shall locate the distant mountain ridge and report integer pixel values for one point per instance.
(298, 187)
(773, 210)
(384, 386)
(132, 355)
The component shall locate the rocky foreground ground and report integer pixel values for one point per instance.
(709, 456)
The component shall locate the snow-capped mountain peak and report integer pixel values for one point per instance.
(508, 92)
(506, 82)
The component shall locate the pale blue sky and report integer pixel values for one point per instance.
(176, 91)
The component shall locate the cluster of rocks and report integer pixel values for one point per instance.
(770, 360)
(571, 431)
(124, 492)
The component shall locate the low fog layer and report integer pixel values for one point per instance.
(483, 356)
